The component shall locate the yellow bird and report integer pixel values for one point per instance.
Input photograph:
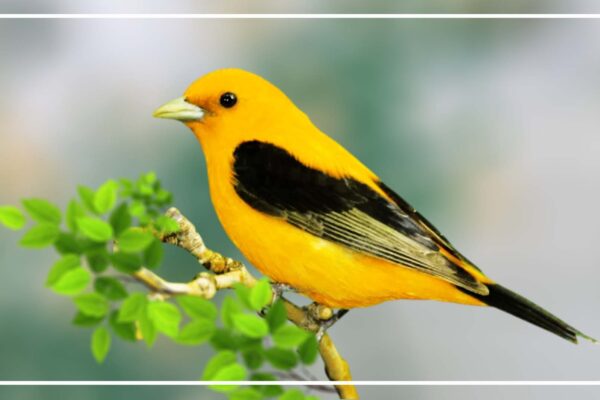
(310, 215)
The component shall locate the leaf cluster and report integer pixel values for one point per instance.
(108, 233)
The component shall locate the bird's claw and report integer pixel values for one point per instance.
(279, 289)
(324, 325)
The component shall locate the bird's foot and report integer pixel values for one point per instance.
(325, 319)
(279, 289)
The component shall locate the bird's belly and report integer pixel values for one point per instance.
(327, 272)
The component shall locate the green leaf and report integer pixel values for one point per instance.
(281, 358)
(229, 308)
(288, 336)
(133, 307)
(111, 288)
(163, 197)
(87, 245)
(149, 178)
(247, 343)
(95, 229)
(120, 219)
(67, 243)
(217, 362)
(137, 209)
(144, 189)
(98, 260)
(196, 332)
(292, 394)
(243, 294)
(72, 282)
(311, 397)
(92, 304)
(251, 325)
(267, 390)
(126, 187)
(85, 320)
(134, 240)
(225, 339)
(308, 350)
(198, 308)
(146, 219)
(100, 343)
(277, 315)
(42, 211)
(40, 236)
(125, 330)
(260, 295)
(62, 266)
(147, 328)
(231, 372)
(253, 358)
(165, 316)
(263, 377)
(246, 394)
(166, 225)
(87, 196)
(12, 218)
(74, 211)
(126, 263)
(153, 255)
(106, 197)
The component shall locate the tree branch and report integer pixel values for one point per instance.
(225, 273)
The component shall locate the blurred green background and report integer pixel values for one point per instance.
(488, 127)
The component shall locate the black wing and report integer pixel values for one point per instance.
(341, 210)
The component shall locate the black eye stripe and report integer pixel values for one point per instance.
(228, 100)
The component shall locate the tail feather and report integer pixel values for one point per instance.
(517, 305)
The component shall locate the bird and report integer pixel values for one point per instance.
(309, 215)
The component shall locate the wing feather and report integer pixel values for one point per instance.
(341, 210)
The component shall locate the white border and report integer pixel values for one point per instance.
(138, 16)
(298, 16)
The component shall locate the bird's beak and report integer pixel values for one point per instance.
(180, 110)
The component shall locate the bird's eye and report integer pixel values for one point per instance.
(228, 100)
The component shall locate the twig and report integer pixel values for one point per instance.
(225, 273)
(308, 374)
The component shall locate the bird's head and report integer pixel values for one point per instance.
(229, 102)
